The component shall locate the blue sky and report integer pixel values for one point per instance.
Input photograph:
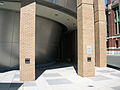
(105, 1)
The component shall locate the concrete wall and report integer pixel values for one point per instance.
(47, 39)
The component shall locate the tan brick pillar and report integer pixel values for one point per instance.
(100, 33)
(85, 38)
(27, 41)
(119, 8)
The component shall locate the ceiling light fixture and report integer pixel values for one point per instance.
(56, 14)
(74, 24)
(68, 19)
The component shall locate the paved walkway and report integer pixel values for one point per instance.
(63, 79)
(114, 60)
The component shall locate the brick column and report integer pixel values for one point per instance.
(27, 40)
(119, 8)
(85, 38)
(111, 23)
(100, 33)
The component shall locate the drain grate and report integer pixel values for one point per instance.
(90, 86)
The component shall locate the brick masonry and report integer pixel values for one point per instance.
(85, 38)
(100, 34)
(112, 39)
(27, 42)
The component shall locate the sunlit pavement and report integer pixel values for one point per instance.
(63, 79)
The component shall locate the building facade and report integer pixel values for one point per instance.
(32, 32)
(113, 27)
(53, 18)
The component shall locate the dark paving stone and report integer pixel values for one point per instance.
(4, 85)
(52, 75)
(99, 78)
(116, 88)
(16, 84)
(14, 88)
(58, 81)
(4, 88)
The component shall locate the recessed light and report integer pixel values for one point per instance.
(68, 19)
(56, 14)
(73, 24)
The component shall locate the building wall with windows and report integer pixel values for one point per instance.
(113, 27)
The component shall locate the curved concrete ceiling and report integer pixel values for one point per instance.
(46, 11)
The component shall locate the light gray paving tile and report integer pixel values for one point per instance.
(31, 84)
(116, 88)
(52, 75)
(16, 76)
(105, 71)
(1, 76)
(16, 81)
(8, 78)
(69, 69)
(99, 78)
(58, 81)
(116, 74)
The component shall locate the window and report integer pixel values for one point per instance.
(117, 44)
(116, 20)
(107, 24)
(108, 44)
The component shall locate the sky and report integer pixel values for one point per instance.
(105, 1)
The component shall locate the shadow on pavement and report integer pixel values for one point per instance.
(10, 86)
(56, 65)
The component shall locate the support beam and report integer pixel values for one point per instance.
(27, 40)
(100, 33)
(85, 38)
